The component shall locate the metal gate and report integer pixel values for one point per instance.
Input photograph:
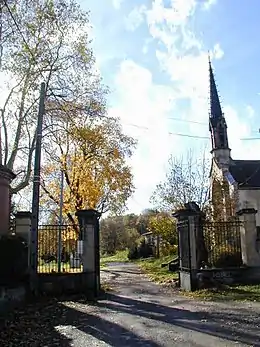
(59, 249)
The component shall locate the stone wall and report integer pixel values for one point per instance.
(63, 284)
(11, 298)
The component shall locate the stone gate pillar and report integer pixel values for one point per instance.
(23, 223)
(89, 234)
(248, 236)
(187, 227)
(6, 176)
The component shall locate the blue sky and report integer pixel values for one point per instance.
(153, 56)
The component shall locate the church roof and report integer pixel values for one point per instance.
(246, 173)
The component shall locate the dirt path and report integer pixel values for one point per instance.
(135, 313)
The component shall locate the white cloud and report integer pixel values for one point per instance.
(176, 14)
(208, 3)
(143, 103)
(217, 51)
(183, 56)
(250, 111)
(135, 18)
(236, 131)
(117, 4)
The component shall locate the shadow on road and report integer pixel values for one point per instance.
(75, 321)
(52, 323)
(226, 325)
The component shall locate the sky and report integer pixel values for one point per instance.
(153, 54)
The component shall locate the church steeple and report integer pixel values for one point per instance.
(215, 108)
(217, 126)
(217, 122)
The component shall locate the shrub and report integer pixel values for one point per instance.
(168, 249)
(142, 251)
(145, 250)
(133, 253)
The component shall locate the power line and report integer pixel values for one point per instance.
(168, 132)
(135, 125)
(188, 121)
(250, 138)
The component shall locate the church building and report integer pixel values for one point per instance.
(235, 184)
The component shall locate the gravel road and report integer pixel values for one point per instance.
(137, 312)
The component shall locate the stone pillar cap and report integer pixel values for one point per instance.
(186, 212)
(246, 211)
(88, 213)
(23, 214)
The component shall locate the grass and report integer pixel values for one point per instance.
(229, 293)
(119, 257)
(152, 267)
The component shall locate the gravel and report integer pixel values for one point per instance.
(136, 312)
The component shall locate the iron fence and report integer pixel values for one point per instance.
(222, 241)
(59, 249)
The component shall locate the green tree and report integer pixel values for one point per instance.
(111, 235)
(142, 223)
(118, 233)
(163, 226)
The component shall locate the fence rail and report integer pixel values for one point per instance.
(222, 241)
(59, 249)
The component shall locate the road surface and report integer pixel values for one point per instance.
(136, 312)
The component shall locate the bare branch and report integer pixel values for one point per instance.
(27, 177)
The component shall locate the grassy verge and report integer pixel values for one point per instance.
(119, 257)
(152, 267)
(236, 293)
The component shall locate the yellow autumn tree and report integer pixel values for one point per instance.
(97, 175)
(164, 226)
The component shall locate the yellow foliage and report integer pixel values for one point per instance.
(95, 169)
(162, 224)
(48, 239)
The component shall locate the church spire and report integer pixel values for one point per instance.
(215, 107)
(217, 123)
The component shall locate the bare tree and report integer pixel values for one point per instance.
(187, 179)
(43, 40)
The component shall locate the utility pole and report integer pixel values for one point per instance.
(1, 55)
(60, 219)
(1, 32)
(36, 190)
